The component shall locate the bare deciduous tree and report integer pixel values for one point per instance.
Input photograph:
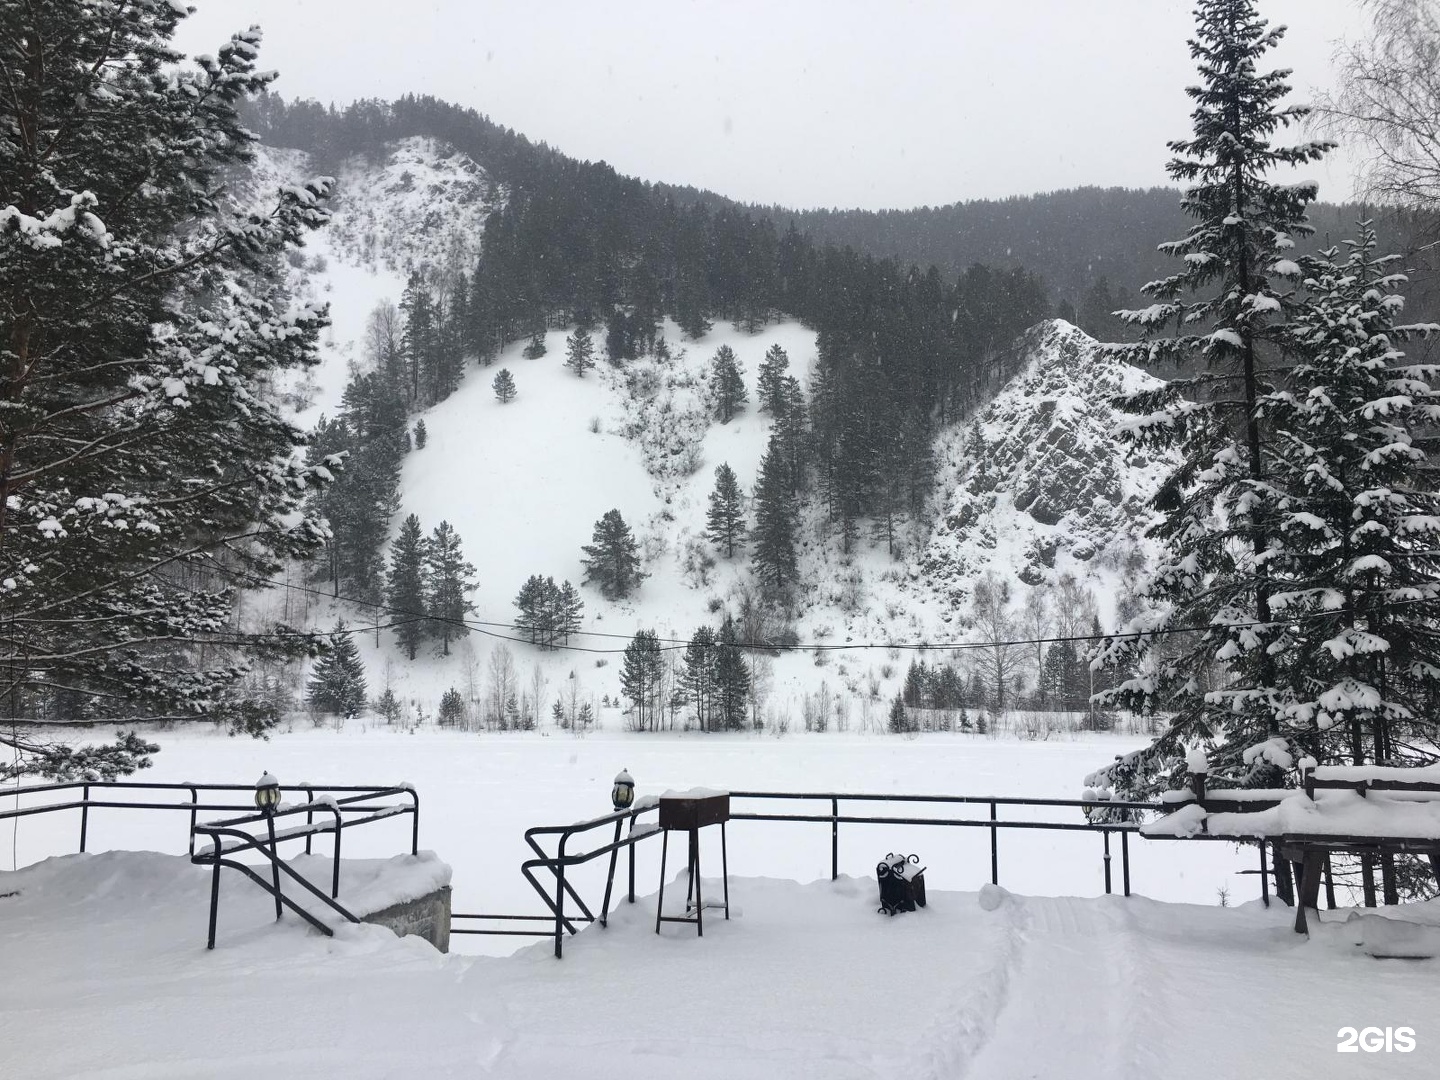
(1000, 662)
(1388, 101)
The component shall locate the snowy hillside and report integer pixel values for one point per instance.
(420, 203)
(1030, 488)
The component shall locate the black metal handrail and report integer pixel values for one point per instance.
(344, 802)
(85, 803)
(557, 864)
(268, 846)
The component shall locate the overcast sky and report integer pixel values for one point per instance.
(799, 102)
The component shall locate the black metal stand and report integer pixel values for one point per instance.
(692, 888)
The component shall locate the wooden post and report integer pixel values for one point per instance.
(1387, 878)
(1281, 869)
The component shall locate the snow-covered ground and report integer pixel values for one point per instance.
(480, 792)
(107, 977)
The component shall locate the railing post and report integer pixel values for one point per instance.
(414, 822)
(994, 847)
(1125, 859)
(1106, 837)
(309, 814)
(335, 868)
(274, 864)
(834, 838)
(631, 834)
(1264, 877)
(610, 877)
(559, 909)
(194, 801)
(214, 896)
(84, 815)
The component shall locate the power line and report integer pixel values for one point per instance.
(488, 628)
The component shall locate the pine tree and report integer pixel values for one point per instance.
(536, 346)
(612, 559)
(730, 396)
(572, 610)
(418, 339)
(1360, 594)
(449, 578)
(420, 435)
(337, 685)
(136, 439)
(770, 389)
(732, 679)
(1220, 517)
(406, 587)
(640, 674)
(773, 537)
(726, 518)
(504, 386)
(580, 352)
(698, 676)
(532, 603)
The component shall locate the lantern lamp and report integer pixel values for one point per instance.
(267, 794)
(623, 793)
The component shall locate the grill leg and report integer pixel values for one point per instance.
(695, 876)
(725, 870)
(660, 901)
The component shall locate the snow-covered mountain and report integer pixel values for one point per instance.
(1035, 485)
(1030, 487)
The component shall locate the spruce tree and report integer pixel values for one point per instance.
(899, 719)
(420, 435)
(144, 324)
(725, 520)
(504, 386)
(337, 684)
(789, 413)
(770, 388)
(773, 536)
(452, 708)
(612, 560)
(1220, 518)
(732, 679)
(1357, 536)
(449, 580)
(405, 589)
(536, 346)
(730, 396)
(580, 352)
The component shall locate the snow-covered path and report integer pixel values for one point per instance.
(106, 976)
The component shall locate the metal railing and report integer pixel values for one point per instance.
(560, 923)
(557, 864)
(193, 806)
(228, 837)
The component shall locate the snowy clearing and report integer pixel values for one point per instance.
(803, 981)
(480, 792)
